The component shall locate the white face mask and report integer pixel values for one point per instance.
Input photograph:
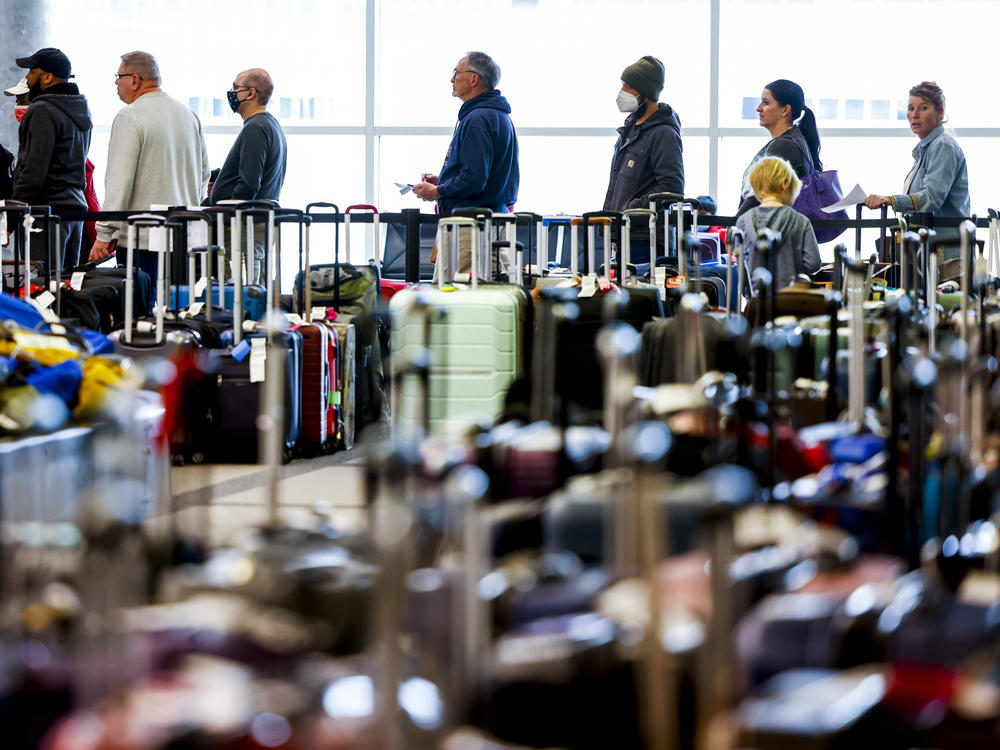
(627, 102)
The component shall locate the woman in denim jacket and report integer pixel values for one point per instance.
(938, 183)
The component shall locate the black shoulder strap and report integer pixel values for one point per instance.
(805, 151)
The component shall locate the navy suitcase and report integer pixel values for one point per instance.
(238, 400)
(239, 377)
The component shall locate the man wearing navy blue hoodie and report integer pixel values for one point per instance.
(480, 169)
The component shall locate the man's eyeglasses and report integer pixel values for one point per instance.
(456, 71)
(123, 75)
(240, 88)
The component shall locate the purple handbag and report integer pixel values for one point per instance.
(821, 189)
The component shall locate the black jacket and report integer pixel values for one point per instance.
(648, 159)
(52, 155)
(6, 168)
(791, 146)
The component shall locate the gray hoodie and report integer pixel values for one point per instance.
(54, 140)
(796, 253)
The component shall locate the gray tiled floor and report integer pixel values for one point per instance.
(218, 502)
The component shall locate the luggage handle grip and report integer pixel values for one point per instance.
(611, 216)
(361, 207)
(146, 220)
(9, 204)
(253, 212)
(188, 216)
(322, 204)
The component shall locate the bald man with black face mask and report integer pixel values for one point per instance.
(255, 166)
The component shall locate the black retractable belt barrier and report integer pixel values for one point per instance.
(411, 220)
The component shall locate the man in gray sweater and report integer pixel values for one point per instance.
(255, 166)
(156, 155)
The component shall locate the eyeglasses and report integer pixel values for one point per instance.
(122, 75)
(456, 71)
(240, 88)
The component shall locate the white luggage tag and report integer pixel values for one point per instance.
(26, 340)
(76, 280)
(199, 286)
(41, 304)
(44, 301)
(588, 285)
(194, 309)
(318, 314)
(660, 279)
(258, 359)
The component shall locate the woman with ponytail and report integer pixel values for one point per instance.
(792, 125)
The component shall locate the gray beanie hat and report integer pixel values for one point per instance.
(645, 75)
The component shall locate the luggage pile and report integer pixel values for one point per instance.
(612, 512)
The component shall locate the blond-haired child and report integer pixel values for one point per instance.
(776, 186)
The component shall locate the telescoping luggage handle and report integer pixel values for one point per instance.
(179, 221)
(520, 255)
(626, 248)
(359, 207)
(857, 272)
(570, 222)
(251, 211)
(53, 246)
(447, 262)
(509, 224)
(221, 214)
(303, 222)
(149, 221)
(610, 220)
(482, 216)
(540, 240)
(336, 252)
(668, 199)
(928, 238)
(734, 249)
(993, 246)
(20, 239)
(967, 241)
(240, 207)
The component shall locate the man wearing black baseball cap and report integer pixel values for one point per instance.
(54, 138)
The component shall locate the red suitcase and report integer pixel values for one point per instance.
(388, 287)
(319, 386)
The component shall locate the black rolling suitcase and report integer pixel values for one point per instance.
(240, 376)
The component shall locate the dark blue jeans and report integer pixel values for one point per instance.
(69, 251)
